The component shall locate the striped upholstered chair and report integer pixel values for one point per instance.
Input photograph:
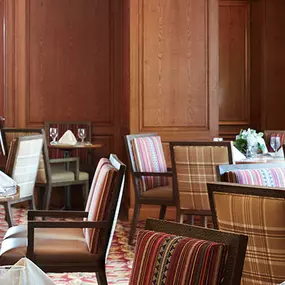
(259, 213)
(73, 245)
(265, 174)
(194, 164)
(150, 175)
(171, 253)
(22, 166)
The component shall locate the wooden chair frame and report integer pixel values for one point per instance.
(136, 175)
(192, 212)
(236, 244)
(47, 162)
(222, 169)
(99, 267)
(15, 199)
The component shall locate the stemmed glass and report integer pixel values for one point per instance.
(53, 132)
(82, 134)
(275, 143)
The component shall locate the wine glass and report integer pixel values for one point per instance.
(273, 143)
(53, 132)
(277, 143)
(82, 134)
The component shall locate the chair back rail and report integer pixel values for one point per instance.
(236, 244)
(257, 212)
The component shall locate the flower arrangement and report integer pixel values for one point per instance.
(250, 140)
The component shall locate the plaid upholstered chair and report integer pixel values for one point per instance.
(52, 172)
(171, 253)
(22, 166)
(73, 245)
(257, 212)
(149, 175)
(194, 164)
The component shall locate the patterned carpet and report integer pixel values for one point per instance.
(119, 260)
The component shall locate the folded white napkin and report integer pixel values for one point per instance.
(237, 155)
(29, 275)
(68, 138)
(8, 186)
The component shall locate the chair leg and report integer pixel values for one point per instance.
(101, 278)
(47, 196)
(32, 204)
(162, 212)
(134, 222)
(8, 214)
(85, 189)
(204, 221)
(41, 194)
(190, 219)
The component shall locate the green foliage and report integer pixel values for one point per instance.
(241, 145)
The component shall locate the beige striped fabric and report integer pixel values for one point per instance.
(41, 176)
(262, 219)
(25, 165)
(195, 166)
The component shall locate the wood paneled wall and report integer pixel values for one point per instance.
(268, 46)
(64, 62)
(174, 69)
(234, 67)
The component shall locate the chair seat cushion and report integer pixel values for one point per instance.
(51, 245)
(164, 192)
(162, 258)
(67, 176)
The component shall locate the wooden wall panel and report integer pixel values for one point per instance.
(234, 58)
(69, 61)
(174, 69)
(2, 62)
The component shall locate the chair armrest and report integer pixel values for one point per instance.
(32, 225)
(57, 214)
(139, 174)
(68, 161)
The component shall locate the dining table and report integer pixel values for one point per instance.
(262, 158)
(67, 151)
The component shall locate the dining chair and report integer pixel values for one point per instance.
(149, 175)
(72, 245)
(258, 212)
(22, 166)
(52, 172)
(194, 164)
(172, 253)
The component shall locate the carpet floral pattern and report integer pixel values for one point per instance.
(119, 261)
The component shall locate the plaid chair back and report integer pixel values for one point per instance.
(161, 258)
(98, 204)
(195, 166)
(23, 161)
(271, 177)
(10, 136)
(149, 157)
(262, 219)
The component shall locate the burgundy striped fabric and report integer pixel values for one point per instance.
(149, 157)
(166, 259)
(271, 177)
(102, 190)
